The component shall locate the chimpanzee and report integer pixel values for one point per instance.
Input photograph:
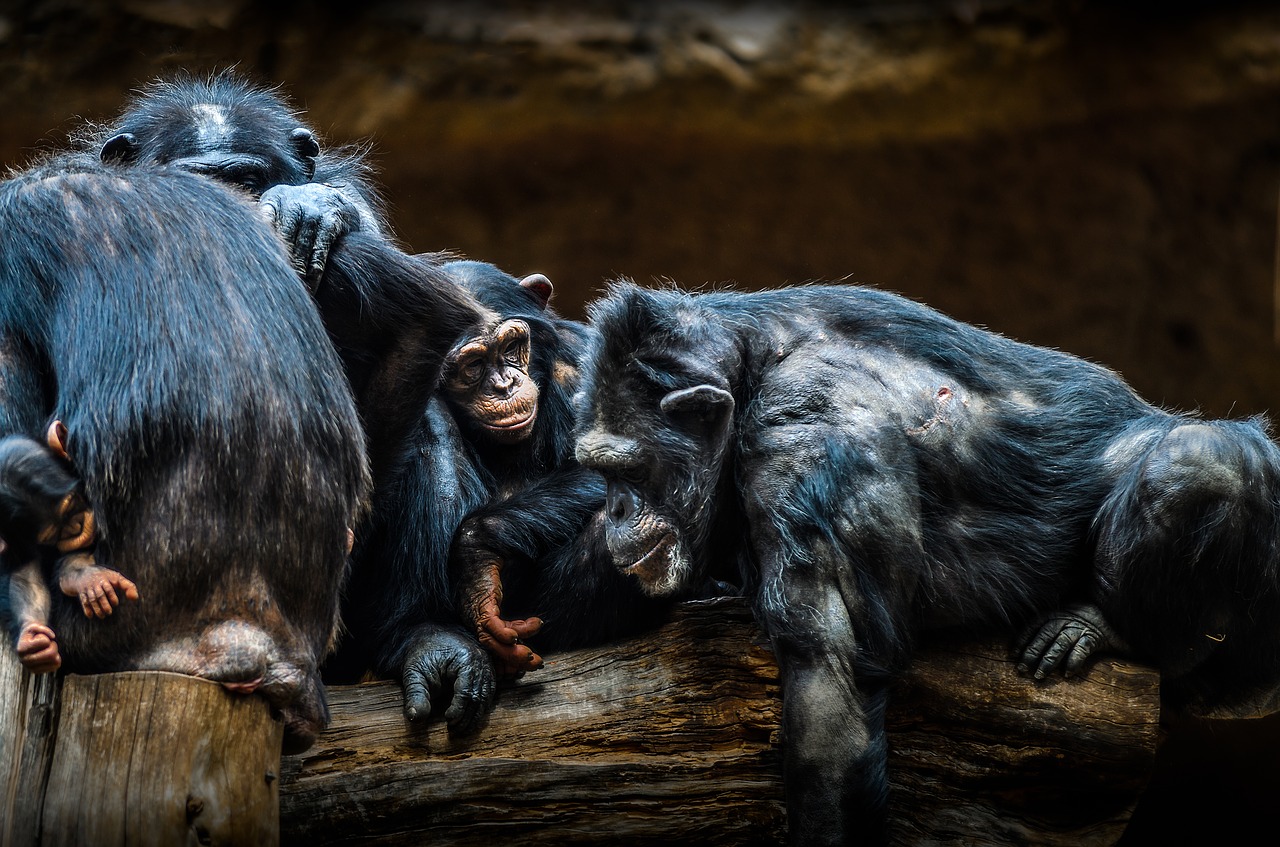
(206, 414)
(495, 475)
(225, 127)
(872, 468)
(41, 505)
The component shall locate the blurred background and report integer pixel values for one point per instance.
(1099, 177)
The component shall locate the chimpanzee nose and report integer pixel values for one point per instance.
(620, 502)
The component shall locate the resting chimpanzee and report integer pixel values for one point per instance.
(496, 474)
(245, 135)
(873, 468)
(391, 316)
(153, 312)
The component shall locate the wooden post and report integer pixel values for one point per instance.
(135, 759)
(672, 738)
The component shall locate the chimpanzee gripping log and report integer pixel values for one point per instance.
(155, 314)
(872, 468)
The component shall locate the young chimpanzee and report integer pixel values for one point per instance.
(496, 476)
(155, 314)
(245, 135)
(42, 506)
(872, 468)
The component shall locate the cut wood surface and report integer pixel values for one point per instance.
(135, 759)
(672, 738)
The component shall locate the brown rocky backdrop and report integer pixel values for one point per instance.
(1100, 177)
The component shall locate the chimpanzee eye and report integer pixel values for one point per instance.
(514, 354)
(470, 371)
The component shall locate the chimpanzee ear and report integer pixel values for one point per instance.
(307, 148)
(120, 149)
(541, 288)
(706, 404)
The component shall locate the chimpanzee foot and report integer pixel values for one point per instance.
(1065, 642)
(38, 649)
(501, 637)
(99, 589)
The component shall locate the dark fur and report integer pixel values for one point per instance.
(163, 120)
(528, 504)
(155, 315)
(870, 468)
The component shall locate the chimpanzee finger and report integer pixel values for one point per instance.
(304, 246)
(331, 226)
(473, 692)
(98, 602)
(128, 587)
(1036, 642)
(419, 680)
(1074, 665)
(498, 630)
(1055, 657)
(525, 628)
(269, 211)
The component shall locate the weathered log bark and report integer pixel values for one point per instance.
(136, 759)
(673, 738)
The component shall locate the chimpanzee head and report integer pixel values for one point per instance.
(34, 487)
(656, 424)
(489, 375)
(221, 127)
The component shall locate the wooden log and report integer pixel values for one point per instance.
(141, 758)
(673, 738)
(28, 720)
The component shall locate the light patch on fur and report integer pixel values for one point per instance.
(211, 122)
(564, 374)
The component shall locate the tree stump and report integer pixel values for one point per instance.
(672, 738)
(141, 758)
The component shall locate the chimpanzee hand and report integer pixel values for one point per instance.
(482, 603)
(1065, 642)
(99, 589)
(310, 218)
(38, 648)
(443, 661)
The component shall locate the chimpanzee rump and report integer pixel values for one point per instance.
(155, 314)
(872, 468)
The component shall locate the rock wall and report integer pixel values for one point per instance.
(1097, 177)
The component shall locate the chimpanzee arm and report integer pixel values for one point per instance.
(29, 608)
(837, 542)
(523, 528)
(539, 518)
(311, 218)
(393, 318)
(401, 599)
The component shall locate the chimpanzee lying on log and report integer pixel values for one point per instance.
(206, 414)
(870, 468)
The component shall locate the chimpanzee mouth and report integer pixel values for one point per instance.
(651, 568)
(515, 424)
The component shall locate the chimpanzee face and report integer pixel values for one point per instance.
(234, 146)
(487, 377)
(661, 461)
